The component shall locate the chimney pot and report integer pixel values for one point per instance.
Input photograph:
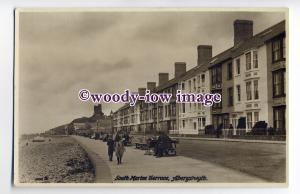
(141, 91)
(243, 30)
(163, 78)
(204, 54)
(151, 86)
(180, 69)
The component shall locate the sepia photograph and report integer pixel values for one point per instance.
(151, 97)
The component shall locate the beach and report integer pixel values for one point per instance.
(59, 159)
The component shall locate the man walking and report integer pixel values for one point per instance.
(110, 147)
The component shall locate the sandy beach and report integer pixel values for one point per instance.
(57, 160)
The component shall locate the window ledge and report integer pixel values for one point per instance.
(280, 96)
(252, 70)
(253, 101)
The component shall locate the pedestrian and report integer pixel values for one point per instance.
(110, 147)
(117, 137)
(120, 149)
(159, 145)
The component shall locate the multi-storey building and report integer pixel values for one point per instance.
(243, 74)
(98, 122)
(167, 113)
(148, 114)
(250, 76)
(193, 117)
(126, 118)
(276, 79)
(154, 117)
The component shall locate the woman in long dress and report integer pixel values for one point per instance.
(120, 149)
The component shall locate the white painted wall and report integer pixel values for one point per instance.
(192, 113)
(240, 108)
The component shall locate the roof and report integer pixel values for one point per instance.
(255, 41)
(122, 107)
(91, 119)
(194, 71)
(190, 73)
(168, 84)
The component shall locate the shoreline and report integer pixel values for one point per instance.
(56, 160)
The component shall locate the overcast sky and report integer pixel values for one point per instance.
(60, 53)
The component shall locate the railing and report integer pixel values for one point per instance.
(248, 134)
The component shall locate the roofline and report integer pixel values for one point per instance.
(207, 65)
(233, 47)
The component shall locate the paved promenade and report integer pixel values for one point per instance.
(136, 163)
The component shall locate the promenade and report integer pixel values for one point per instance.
(136, 163)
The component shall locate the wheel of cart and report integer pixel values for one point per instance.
(170, 148)
(141, 146)
(171, 152)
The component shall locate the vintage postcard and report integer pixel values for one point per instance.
(151, 97)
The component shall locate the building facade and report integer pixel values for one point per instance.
(276, 61)
(250, 76)
(193, 117)
(98, 122)
(126, 118)
(246, 76)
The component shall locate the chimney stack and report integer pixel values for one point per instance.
(180, 68)
(243, 30)
(151, 86)
(204, 54)
(141, 91)
(163, 78)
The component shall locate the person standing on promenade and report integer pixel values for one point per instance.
(120, 149)
(110, 147)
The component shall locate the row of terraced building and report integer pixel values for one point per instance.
(250, 76)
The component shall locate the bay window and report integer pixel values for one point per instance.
(248, 61)
(279, 83)
(249, 120)
(255, 59)
(278, 49)
(248, 90)
(255, 83)
(279, 117)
